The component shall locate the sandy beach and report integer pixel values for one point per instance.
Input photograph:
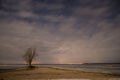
(54, 73)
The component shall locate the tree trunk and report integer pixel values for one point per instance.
(30, 65)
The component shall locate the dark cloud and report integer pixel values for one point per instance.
(63, 31)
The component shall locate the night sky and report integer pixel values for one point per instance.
(62, 31)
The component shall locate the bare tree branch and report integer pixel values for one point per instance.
(29, 56)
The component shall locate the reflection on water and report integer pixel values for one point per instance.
(72, 79)
(90, 79)
(80, 79)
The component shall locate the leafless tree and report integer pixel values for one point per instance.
(29, 56)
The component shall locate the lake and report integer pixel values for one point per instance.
(98, 67)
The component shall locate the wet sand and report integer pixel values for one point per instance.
(54, 74)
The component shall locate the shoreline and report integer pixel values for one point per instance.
(60, 68)
(52, 73)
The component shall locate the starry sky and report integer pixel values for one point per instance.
(62, 31)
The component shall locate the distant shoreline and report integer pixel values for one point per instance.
(87, 67)
(62, 64)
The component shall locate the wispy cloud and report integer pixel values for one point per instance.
(63, 31)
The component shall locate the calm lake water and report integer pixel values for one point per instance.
(104, 68)
(90, 79)
(80, 79)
